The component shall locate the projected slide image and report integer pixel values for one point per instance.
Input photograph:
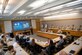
(18, 26)
(26, 25)
(21, 25)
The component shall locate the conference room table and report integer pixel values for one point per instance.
(45, 43)
(18, 48)
(75, 47)
(48, 35)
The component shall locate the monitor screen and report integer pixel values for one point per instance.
(21, 25)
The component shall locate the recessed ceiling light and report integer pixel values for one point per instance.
(52, 13)
(37, 3)
(43, 11)
(49, 1)
(21, 12)
(28, 13)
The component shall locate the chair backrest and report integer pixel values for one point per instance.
(64, 33)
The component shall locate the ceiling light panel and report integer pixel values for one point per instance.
(43, 11)
(28, 13)
(49, 1)
(37, 3)
(52, 13)
(68, 10)
(21, 12)
(58, 7)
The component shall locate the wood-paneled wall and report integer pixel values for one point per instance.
(2, 26)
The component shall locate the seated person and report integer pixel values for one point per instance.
(10, 51)
(51, 48)
(27, 43)
(34, 48)
(20, 35)
(4, 42)
(3, 39)
(25, 36)
(60, 42)
(1, 49)
(59, 31)
(28, 40)
(70, 37)
(17, 38)
(22, 41)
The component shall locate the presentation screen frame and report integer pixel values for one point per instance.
(29, 21)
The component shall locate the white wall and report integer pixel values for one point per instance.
(65, 23)
(8, 26)
(33, 22)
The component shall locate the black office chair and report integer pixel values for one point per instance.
(17, 38)
(64, 33)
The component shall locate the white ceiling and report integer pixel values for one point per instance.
(29, 8)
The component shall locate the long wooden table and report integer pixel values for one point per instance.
(73, 46)
(47, 35)
(17, 47)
